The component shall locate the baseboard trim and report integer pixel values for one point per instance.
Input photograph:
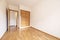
(46, 33)
(3, 35)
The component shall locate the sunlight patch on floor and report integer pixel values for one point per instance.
(24, 27)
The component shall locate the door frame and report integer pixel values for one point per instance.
(8, 19)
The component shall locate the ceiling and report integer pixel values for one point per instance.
(28, 3)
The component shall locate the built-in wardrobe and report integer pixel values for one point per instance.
(25, 18)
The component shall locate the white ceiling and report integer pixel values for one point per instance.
(28, 3)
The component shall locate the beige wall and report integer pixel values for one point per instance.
(45, 16)
(3, 24)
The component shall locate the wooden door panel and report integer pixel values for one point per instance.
(25, 18)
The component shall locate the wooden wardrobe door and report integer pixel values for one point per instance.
(25, 18)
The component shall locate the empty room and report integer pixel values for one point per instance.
(29, 19)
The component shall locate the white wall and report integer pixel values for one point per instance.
(13, 7)
(45, 16)
(3, 24)
(23, 7)
(13, 18)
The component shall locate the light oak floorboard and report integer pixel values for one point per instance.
(28, 34)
